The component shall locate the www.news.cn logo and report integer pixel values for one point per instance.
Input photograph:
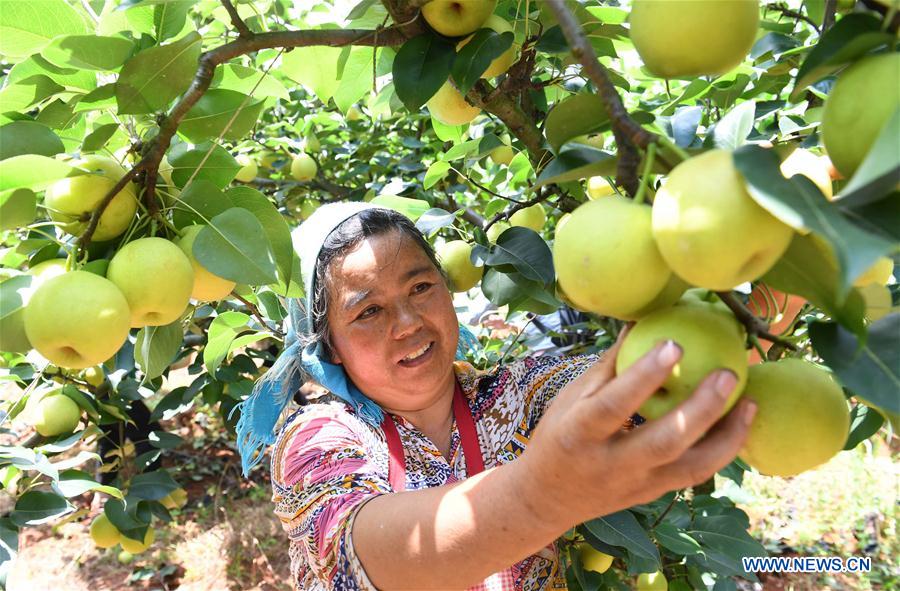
(807, 564)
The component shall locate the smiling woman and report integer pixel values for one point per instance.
(418, 471)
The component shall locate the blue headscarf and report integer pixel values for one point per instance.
(296, 364)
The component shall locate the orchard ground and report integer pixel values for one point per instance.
(227, 537)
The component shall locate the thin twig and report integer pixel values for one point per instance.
(756, 326)
(236, 20)
(794, 15)
(255, 311)
(85, 239)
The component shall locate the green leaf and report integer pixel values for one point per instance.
(461, 150)
(524, 250)
(101, 98)
(849, 38)
(218, 168)
(577, 163)
(809, 269)
(864, 422)
(99, 137)
(36, 507)
(676, 539)
(274, 225)
(18, 207)
(233, 246)
(88, 52)
(435, 173)
(731, 131)
(156, 347)
(199, 203)
(623, 529)
(76, 80)
(221, 113)
(73, 483)
(31, 171)
(248, 81)
(871, 371)
(150, 80)
(164, 440)
(724, 543)
(222, 332)
(476, 56)
(28, 137)
(421, 67)
(169, 17)
(434, 219)
(879, 172)
(22, 94)
(577, 115)
(27, 26)
(152, 486)
(800, 204)
(411, 208)
(356, 78)
(314, 67)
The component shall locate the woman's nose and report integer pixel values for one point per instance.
(407, 320)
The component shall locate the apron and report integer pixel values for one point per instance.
(502, 581)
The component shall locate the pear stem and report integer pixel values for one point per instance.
(674, 148)
(645, 176)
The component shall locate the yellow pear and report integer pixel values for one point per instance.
(801, 421)
(248, 170)
(455, 261)
(652, 582)
(56, 414)
(208, 287)
(502, 155)
(70, 199)
(138, 546)
(710, 338)
(175, 499)
(599, 187)
(156, 278)
(602, 243)
(879, 273)
(533, 217)
(501, 64)
(12, 324)
(77, 319)
(303, 167)
(495, 230)
(104, 533)
(811, 166)
(710, 230)
(594, 560)
(693, 37)
(449, 107)
(859, 105)
(455, 18)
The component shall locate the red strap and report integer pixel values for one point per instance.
(467, 434)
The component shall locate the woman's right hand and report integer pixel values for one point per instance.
(580, 464)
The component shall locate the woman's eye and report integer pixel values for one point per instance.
(421, 287)
(370, 311)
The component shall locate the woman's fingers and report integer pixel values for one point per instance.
(607, 408)
(715, 451)
(663, 440)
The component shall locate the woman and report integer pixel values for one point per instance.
(422, 473)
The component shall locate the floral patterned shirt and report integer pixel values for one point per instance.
(327, 463)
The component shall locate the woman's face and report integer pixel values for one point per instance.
(392, 323)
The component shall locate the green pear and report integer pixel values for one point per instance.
(502, 155)
(594, 560)
(801, 421)
(709, 229)
(455, 261)
(70, 199)
(495, 230)
(55, 415)
(806, 163)
(693, 37)
(652, 582)
(455, 18)
(304, 168)
(77, 319)
(208, 287)
(859, 105)
(12, 305)
(248, 170)
(104, 533)
(710, 339)
(156, 278)
(599, 246)
(501, 64)
(599, 187)
(138, 546)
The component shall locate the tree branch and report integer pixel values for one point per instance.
(794, 15)
(236, 20)
(85, 239)
(755, 325)
(830, 9)
(255, 311)
(629, 135)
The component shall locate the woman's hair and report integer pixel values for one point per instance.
(343, 239)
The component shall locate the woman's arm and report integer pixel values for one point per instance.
(453, 536)
(578, 465)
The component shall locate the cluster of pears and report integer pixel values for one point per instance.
(106, 535)
(599, 562)
(78, 319)
(453, 18)
(455, 255)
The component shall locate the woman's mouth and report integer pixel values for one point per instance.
(419, 356)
